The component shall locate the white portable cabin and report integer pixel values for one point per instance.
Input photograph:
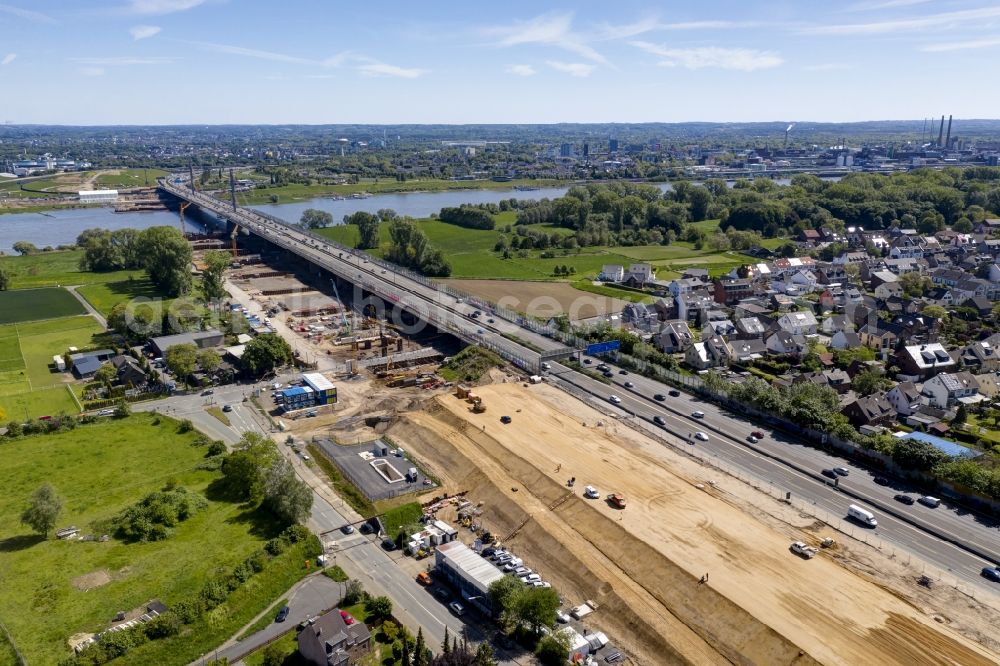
(59, 362)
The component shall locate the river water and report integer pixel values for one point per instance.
(61, 227)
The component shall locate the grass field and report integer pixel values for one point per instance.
(98, 470)
(33, 304)
(127, 178)
(103, 297)
(28, 386)
(49, 269)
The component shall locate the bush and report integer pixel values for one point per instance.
(163, 626)
(216, 448)
(214, 593)
(185, 426)
(150, 518)
(189, 610)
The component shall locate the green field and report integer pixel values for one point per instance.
(128, 178)
(33, 304)
(106, 295)
(28, 385)
(50, 269)
(470, 252)
(98, 470)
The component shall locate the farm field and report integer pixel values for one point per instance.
(50, 269)
(541, 299)
(28, 387)
(33, 304)
(54, 589)
(104, 296)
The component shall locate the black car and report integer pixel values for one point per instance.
(608, 373)
(659, 397)
(587, 361)
(905, 499)
(881, 480)
(629, 385)
(347, 529)
(623, 372)
(388, 544)
(208, 392)
(603, 367)
(674, 392)
(658, 420)
(488, 551)
(282, 614)
(829, 473)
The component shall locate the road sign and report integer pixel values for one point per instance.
(603, 347)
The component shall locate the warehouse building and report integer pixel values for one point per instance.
(468, 572)
(201, 339)
(99, 196)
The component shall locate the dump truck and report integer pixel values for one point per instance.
(617, 500)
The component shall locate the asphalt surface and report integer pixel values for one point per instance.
(781, 460)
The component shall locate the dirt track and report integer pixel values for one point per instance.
(762, 605)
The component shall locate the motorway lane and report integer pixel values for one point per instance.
(804, 488)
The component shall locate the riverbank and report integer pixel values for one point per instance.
(295, 192)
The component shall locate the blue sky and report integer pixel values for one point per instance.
(243, 61)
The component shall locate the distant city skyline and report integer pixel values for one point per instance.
(240, 62)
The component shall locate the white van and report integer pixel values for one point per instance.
(863, 516)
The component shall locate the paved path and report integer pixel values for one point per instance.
(307, 598)
(90, 308)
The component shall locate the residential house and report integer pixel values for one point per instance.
(612, 273)
(750, 327)
(988, 387)
(641, 273)
(745, 351)
(675, 336)
(729, 291)
(872, 410)
(86, 364)
(710, 353)
(905, 398)
(880, 335)
(700, 274)
(845, 340)
(980, 304)
(809, 236)
(830, 273)
(881, 277)
(335, 639)
(948, 388)
(889, 290)
(798, 323)
(836, 323)
(784, 343)
(128, 371)
(718, 326)
(851, 258)
(925, 360)
(981, 356)
(638, 315)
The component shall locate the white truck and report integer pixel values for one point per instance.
(801, 549)
(535, 379)
(863, 516)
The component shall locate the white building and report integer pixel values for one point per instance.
(945, 389)
(612, 273)
(642, 272)
(99, 196)
(798, 323)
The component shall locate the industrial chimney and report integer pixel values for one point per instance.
(947, 140)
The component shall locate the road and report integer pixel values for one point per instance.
(795, 467)
(781, 460)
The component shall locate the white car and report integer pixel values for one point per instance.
(700, 436)
(697, 415)
(805, 551)
(615, 399)
(590, 492)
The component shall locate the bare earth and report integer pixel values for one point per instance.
(761, 605)
(541, 299)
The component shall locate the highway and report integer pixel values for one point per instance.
(780, 460)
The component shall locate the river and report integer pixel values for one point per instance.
(61, 227)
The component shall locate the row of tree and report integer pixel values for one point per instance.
(162, 252)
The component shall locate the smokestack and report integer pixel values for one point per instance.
(941, 132)
(947, 140)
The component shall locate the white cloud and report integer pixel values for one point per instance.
(121, 60)
(961, 46)
(744, 60)
(552, 29)
(257, 53)
(9, 58)
(163, 6)
(92, 71)
(520, 70)
(639, 27)
(935, 21)
(572, 68)
(884, 4)
(143, 31)
(382, 69)
(826, 67)
(26, 14)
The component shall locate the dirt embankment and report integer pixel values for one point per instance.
(762, 605)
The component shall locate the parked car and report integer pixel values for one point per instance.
(488, 551)
(388, 544)
(674, 393)
(700, 436)
(905, 499)
(562, 617)
(698, 415)
(505, 419)
(590, 492)
(282, 614)
(208, 392)
(658, 420)
(881, 480)
(457, 608)
(659, 397)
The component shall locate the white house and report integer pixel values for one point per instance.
(708, 354)
(905, 398)
(675, 336)
(612, 273)
(798, 323)
(642, 272)
(783, 342)
(947, 388)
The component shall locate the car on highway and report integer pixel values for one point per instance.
(659, 397)
(674, 393)
(480, 331)
(587, 361)
(932, 502)
(609, 374)
(752, 439)
(758, 434)
(842, 471)
(629, 385)
(659, 420)
(491, 321)
(615, 399)
(904, 498)
(457, 608)
(698, 415)
(829, 473)
(700, 436)
(991, 573)
(282, 614)
(347, 529)
(623, 372)
(881, 480)
(603, 367)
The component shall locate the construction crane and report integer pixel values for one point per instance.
(184, 204)
(344, 323)
(232, 237)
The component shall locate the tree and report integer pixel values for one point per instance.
(24, 248)
(105, 374)
(43, 510)
(182, 360)
(122, 409)
(216, 262)
(379, 607)
(244, 470)
(501, 592)
(961, 415)
(353, 593)
(420, 649)
(446, 643)
(553, 648)
(368, 233)
(315, 219)
(484, 655)
(289, 499)
(209, 360)
(935, 311)
(914, 284)
(867, 382)
(536, 607)
(5, 279)
(274, 655)
(166, 256)
(265, 353)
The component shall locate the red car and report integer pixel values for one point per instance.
(758, 434)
